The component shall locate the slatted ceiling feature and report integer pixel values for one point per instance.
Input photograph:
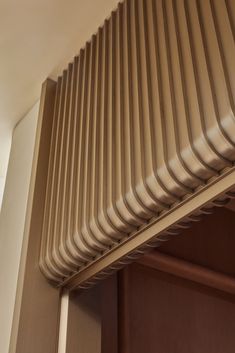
(204, 112)
(193, 105)
(73, 182)
(226, 34)
(77, 244)
(143, 123)
(69, 164)
(221, 103)
(157, 182)
(107, 182)
(44, 262)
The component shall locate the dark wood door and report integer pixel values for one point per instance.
(187, 309)
(166, 314)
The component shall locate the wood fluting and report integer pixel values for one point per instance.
(143, 118)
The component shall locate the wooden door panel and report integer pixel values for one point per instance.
(168, 314)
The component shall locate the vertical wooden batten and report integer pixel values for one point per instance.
(143, 136)
(37, 305)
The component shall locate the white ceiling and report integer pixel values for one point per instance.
(37, 39)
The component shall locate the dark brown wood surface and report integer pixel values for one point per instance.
(209, 243)
(170, 315)
(145, 310)
(163, 313)
(92, 319)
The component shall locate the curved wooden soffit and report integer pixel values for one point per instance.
(143, 136)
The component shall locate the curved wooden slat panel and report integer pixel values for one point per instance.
(143, 121)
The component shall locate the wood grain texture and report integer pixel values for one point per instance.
(169, 314)
(190, 271)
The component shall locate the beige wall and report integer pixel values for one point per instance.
(5, 146)
(12, 218)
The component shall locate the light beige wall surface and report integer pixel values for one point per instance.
(5, 147)
(12, 218)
